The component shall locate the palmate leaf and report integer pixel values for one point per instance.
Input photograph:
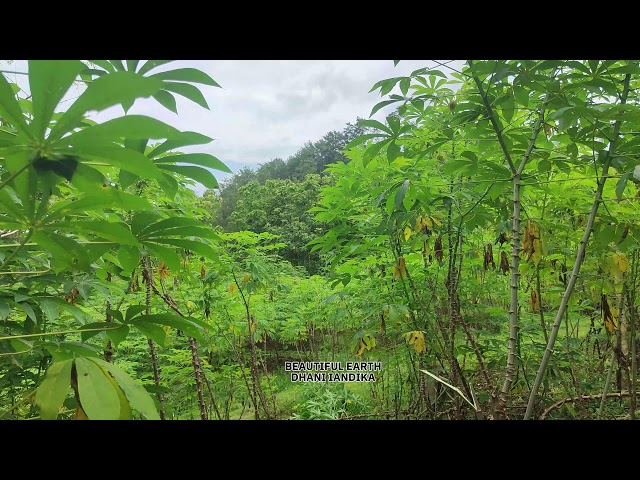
(106, 91)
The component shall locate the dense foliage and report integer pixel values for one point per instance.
(481, 243)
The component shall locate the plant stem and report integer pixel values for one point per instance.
(606, 384)
(579, 257)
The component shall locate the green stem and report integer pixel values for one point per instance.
(579, 258)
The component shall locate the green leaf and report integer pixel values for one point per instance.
(28, 310)
(396, 62)
(126, 179)
(198, 247)
(186, 75)
(521, 95)
(394, 123)
(10, 110)
(134, 310)
(7, 138)
(188, 91)
(167, 100)
(142, 220)
(117, 64)
(137, 144)
(203, 159)
(106, 91)
(167, 255)
(167, 224)
(98, 397)
(5, 310)
(53, 389)
(129, 258)
(380, 105)
(179, 323)
(186, 138)
(393, 151)
(205, 177)
(102, 198)
(136, 394)
(508, 108)
(120, 157)
(49, 308)
(117, 232)
(132, 65)
(152, 331)
(130, 127)
(400, 194)
(373, 150)
(86, 179)
(49, 80)
(118, 335)
(621, 185)
(361, 139)
(404, 85)
(63, 248)
(375, 124)
(636, 172)
(151, 64)
(200, 232)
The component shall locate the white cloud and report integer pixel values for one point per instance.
(270, 108)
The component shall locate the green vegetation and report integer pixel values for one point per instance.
(481, 244)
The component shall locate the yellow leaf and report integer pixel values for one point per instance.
(416, 338)
(163, 270)
(407, 233)
(369, 341)
(360, 349)
(233, 288)
(621, 261)
(436, 221)
(167, 328)
(402, 267)
(427, 248)
(537, 251)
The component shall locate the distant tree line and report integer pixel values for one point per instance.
(275, 197)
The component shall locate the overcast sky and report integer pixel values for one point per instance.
(268, 108)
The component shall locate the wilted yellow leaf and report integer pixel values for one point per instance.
(233, 288)
(369, 341)
(436, 221)
(407, 233)
(534, 301)
(620, 260)
(416, 338)
(360, 348)
(163, 271)
(611, 321)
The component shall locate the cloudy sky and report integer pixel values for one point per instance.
(268, 108)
